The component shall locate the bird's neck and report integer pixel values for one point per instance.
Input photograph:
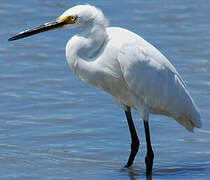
(82, 51)
(92, 38)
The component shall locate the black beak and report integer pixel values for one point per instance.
(39, 29)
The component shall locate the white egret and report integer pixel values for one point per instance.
(126, 66)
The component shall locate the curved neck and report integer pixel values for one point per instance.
(92, 37)
(83, 46)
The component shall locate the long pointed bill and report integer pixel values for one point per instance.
(36, 30)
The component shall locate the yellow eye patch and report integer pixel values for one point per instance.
(68, 19)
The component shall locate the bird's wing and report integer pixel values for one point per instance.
(156, 82)
(150, 75)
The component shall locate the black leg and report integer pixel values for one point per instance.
(134, 138)
(150, 155)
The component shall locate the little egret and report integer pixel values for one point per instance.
(130, 69)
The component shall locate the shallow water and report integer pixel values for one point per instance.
(55, 127)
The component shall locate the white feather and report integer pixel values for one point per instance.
(129, 68)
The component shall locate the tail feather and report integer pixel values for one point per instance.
(190, 121)
(189, 115)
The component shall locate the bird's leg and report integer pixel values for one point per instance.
(150, 155)
(134, 138)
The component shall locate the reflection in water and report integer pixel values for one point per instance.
(133, 173)
(56, 127)
(149, 176)
(175, 170)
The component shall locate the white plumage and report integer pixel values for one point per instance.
(126, 66)
(129, 68)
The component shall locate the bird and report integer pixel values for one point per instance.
(136, 74)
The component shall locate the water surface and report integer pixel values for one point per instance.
(53, 126)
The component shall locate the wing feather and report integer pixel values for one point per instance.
(154, 79)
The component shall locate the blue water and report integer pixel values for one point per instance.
(55, 127)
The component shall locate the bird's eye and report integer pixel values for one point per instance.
(73, 18)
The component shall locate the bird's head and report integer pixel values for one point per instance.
(79, 16)
(82, 16)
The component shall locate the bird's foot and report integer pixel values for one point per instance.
(126, 167)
